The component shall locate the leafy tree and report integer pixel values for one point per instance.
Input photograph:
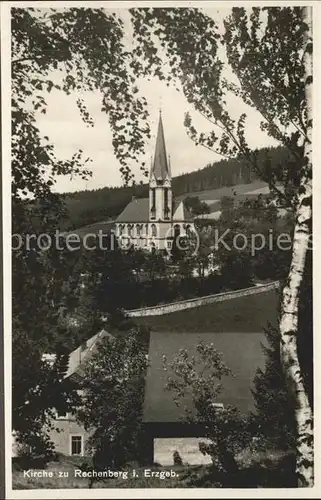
(86, 46)
(196, 206)
(112, 401)
(57, 51)
(270, 53)
(39, 389)
(274, 406)
(154, 265)
(271, 57)
(252, 245)
(198, 379)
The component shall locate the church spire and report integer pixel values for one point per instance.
(160, 167)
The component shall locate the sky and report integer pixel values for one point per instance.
(66, 130)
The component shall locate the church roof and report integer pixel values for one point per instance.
(136, 211)
(160, 167)
(181, 213)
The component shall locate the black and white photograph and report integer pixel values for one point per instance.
(157, 181)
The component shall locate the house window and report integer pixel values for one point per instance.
(76, 445)
(218, 406)
(154, 231)
(61, 415)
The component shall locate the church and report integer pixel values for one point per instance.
(154, 222)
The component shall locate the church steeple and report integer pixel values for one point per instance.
(160, 192)
(160, 169)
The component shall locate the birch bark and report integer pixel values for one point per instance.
(291, 291)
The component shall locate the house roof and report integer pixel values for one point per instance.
(241, 352)
(79, 356)
(160, 167)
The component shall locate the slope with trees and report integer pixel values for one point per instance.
(45, 42)
(270, 53)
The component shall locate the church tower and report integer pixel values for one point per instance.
(160, 181)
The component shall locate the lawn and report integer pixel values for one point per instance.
(242, 314)
(238, 192)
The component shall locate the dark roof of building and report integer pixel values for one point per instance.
(136, 211)
(241, 352)
(160, 167)
(100, 227)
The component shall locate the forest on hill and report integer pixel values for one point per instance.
(87, 207)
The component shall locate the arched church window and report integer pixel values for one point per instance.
(154, 230)
(130, 229)
(153, 204)
(121, 229)
(166, 207)
(138, 229)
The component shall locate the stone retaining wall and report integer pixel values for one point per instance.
(200, 301)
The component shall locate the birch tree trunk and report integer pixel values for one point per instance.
(291, 291)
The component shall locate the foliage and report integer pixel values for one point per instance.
(86, 47)
(58, 51)
(38, 329)
(259, 44)
(199, 378)
(113, 391)
(245, 243)
(196, 206)
(264, 48)
(251, 247)
(39, 389)
(274, 416)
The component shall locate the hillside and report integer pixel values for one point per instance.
(209, 183)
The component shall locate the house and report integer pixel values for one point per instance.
(68, 436)
(71, 437)
(167, 428)
(154, 222)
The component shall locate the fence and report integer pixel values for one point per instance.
(200, 301)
